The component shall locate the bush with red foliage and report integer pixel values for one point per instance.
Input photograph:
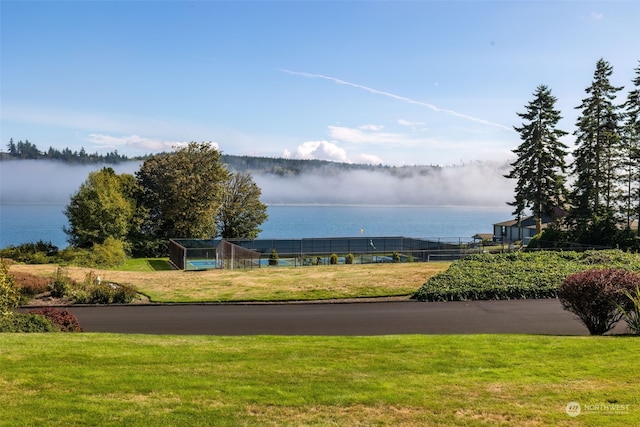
(596, 296)
(62, 319)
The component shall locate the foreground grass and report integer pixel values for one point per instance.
(104, 379)
(263, 284)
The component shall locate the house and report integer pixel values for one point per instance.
(511, 231)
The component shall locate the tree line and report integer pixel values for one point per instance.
(27, 150)
(188, 193)
(595, 198)
(280, 166)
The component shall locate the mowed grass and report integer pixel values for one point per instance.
(470, 380)
(262, 284)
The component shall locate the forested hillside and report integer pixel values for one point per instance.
(255, 165)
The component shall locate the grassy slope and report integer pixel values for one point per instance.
(104, 379)
(264, 284)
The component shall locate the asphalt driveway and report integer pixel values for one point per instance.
(544, 317)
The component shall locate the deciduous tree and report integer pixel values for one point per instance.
(181, 192)
(103, 207)
(241, 211)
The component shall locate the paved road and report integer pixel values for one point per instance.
(377, 318)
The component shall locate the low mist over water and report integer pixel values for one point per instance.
(45, 181)
(474, 184)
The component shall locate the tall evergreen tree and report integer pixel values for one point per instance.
(596, 165)
(540, 166)
(631, 146)
(11, 148)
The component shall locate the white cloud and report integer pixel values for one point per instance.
(135, 142)
(368, 159)
(331, 151)
(320, 150)
(596, 16)
(407, 123)
(374, 128)
(368, 135)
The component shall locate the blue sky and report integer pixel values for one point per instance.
(401, 83)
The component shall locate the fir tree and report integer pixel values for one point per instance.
(631, 146)
(540, 167)
(597, 160)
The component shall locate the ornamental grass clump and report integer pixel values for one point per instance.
(598, 297)
(632, 315)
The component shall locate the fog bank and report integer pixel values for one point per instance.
(474, 184)
(46, 181)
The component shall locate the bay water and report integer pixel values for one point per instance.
(31, 222)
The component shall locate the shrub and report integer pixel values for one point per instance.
(31, 253)
(62, 284)
(101, 294)
(124, 294)
(111, 253)
(395, 256)
(596, 296)
(632, 315)
(26, 322)
(9, 291)
(518, 274)
(349, 259)
(31, 285)
(64, 320)
(274, 257)
(333, 259)
(92, 290)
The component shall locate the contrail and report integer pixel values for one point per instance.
(394, 96)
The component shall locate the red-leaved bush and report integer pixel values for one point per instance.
(62, 319)
(596, 296)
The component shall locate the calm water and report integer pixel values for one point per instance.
(20, 223)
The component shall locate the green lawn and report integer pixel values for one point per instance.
(106, 379)
(146, 264)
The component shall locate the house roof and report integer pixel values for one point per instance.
(483, 236)
(530, 221)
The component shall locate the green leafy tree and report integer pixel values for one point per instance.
(596, 165)
(181, 192)
(9, 292)
(104, 207)
(241, 211)
(631, 145)
(540, 166)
